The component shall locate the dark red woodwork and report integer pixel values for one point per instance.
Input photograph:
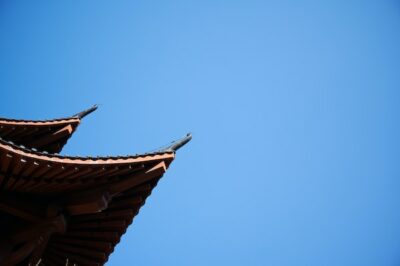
(54, 208)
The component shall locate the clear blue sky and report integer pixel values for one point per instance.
(294, 109)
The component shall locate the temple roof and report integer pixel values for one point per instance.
(34, 172)
(87, 203)
(45, 135)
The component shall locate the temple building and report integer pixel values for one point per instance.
(56, 208)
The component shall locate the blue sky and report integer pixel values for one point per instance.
(293, 105)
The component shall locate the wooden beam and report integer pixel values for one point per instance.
(105, 215)
(6, 130)
(96, 255)
(47, 227)
(22, 208)
(138, 178)
(97, 201)
(102, 225)
(88, 204)
(5, 169)
(20, 254)
(97, 245)
(20, 132)
(126, 203)
(105, 236)
(73, 258)
(62, 133)
(33, 166)
(37, 253)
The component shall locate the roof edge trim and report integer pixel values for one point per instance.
(34, 154)
(177, 144)
(84, 113)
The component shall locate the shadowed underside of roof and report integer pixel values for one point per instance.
(98, 198)
(91, 238)
(54, 208)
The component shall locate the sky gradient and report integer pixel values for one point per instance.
(294, 109)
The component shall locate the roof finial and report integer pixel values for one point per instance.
(176, 145)
(86, 112)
